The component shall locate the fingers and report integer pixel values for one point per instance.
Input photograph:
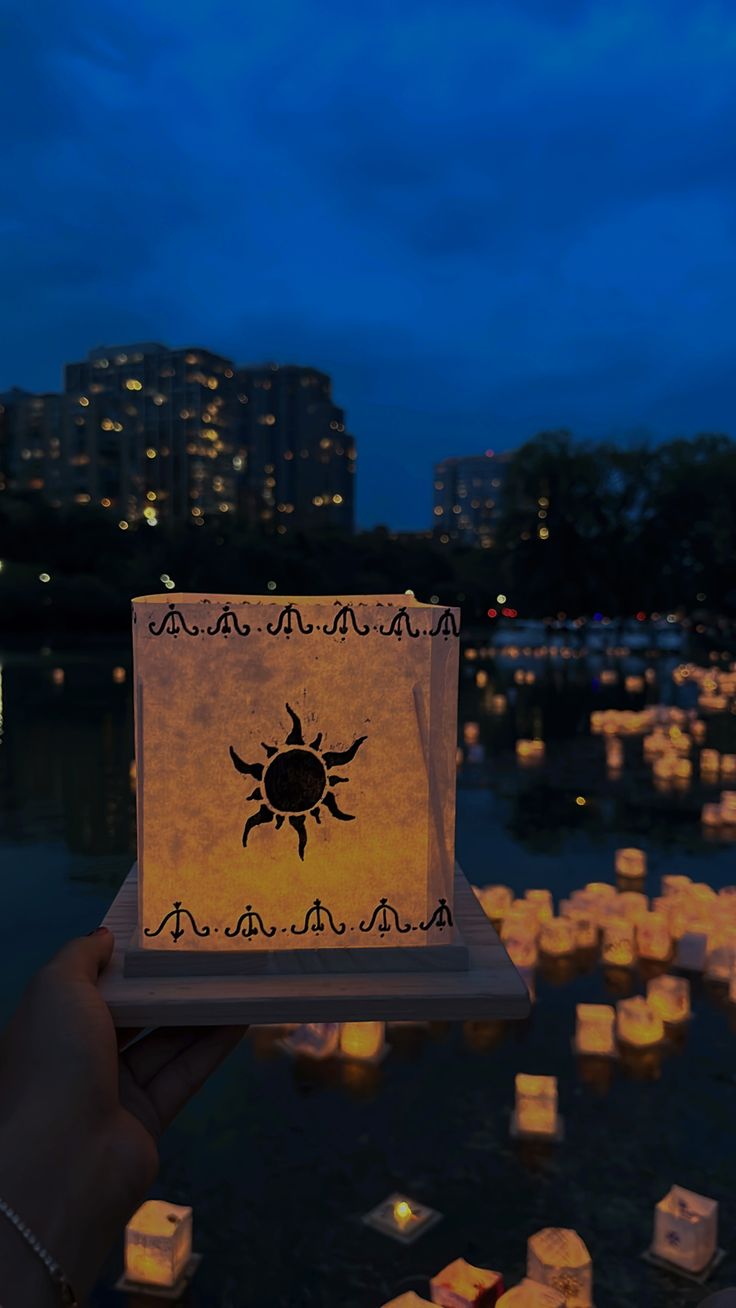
(181, 1078)
(84, 958)
(147, 1056)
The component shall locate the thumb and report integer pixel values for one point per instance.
(85, 957)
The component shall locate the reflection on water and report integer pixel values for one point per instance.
(280, 1156)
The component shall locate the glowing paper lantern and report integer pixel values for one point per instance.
(594, 1030)
(558, 937)
(520, 941)
(158, 1243)
(296, 772)
(529, 752)
(710, 763)
(720, 954)
(669, 997)
(618, 949)
(728, 807)
(530, 1294)
(728, 767)
(535, 1113)
(495, 901)
(401, 1218)
(364, 1041)
(631, 863)
(673, 885)
(653, 936)
(558, 1258)
(637, 1023)
(685, 1229)
(633, 906)
(460, 1285)
(586, 928)
(498, 703)
(542, 902)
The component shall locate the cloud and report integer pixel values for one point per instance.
(484, 216)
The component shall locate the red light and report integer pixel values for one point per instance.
(507, 613)
(513, 613)
(641, 616)
(490, 454)
(492, 613)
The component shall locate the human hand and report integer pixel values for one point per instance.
(81, 1109)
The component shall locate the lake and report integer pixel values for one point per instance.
(280, 1157)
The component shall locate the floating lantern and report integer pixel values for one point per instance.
(118, 676)
(710, 763)
(653, 937)
(710, 815)
(558, 937)
(674, 885)
(632, 905)
(619, 948)
(601, 890)
(609, 677)
(460, 1285)
(720, 954)
(637, 1023)
(471, 733)
(520, 940)
(614, 753)
(728, 807)
(158, 1244)
(669, 997)
(631, 863)
(401, 1218)
(535, 1114)
(685, 1229)
(558, 1258)
(530, 752)
(530, 1294)
(586, 928)
(594, 1030)
(364, 1041)
(297, 782)
(481, 678)
(542, 902)
(498, 704)
(728, 767)
(634, 685)
(57, 676)
(495, 901)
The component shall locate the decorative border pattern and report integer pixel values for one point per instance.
(317, 920)
(401, 624)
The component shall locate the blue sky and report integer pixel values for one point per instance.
(481, 218)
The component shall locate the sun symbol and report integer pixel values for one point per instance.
(295, 781)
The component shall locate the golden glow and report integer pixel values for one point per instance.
(151, 453)
(402, 1213)
(132, 384)
(123, 525)
(158, 1243)
(83, 401)
(337, 499)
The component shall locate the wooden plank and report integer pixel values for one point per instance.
(489, 988)
(452, 957)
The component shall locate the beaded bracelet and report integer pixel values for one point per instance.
(68, 1297)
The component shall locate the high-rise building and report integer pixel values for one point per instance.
(156, 429)
(171, 436)
(467, 498)
(301, 461)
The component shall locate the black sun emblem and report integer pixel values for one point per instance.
(295, 781)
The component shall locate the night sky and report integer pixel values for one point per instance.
(481, 218)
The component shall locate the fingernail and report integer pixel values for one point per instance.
(99, 931)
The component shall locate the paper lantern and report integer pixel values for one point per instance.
(295, 772)
(594, 1030)
(728, 767)
(557, 1257)
(710, 762)
(632, 905)
(471, 733)
(529, 752)
(495, 901)
(460, 1285)
(520, 941)
(498, 703)
(364, 1041)
(530, 1294)
(710, 815)
(720, 954)
(535, 1113)
(401, 1218)
(158, 1243)
(618, 949)
(669, 997)
(637, 1023)
(631, 863)
(674, 885)
(408, 1300)
(686, 1229)
(653, 936)
(586, 928)
(557, 937)
(542, 902)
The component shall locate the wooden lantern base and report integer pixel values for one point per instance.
(697, 1278)
(469, 977)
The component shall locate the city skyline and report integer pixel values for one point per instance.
(480, 222)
